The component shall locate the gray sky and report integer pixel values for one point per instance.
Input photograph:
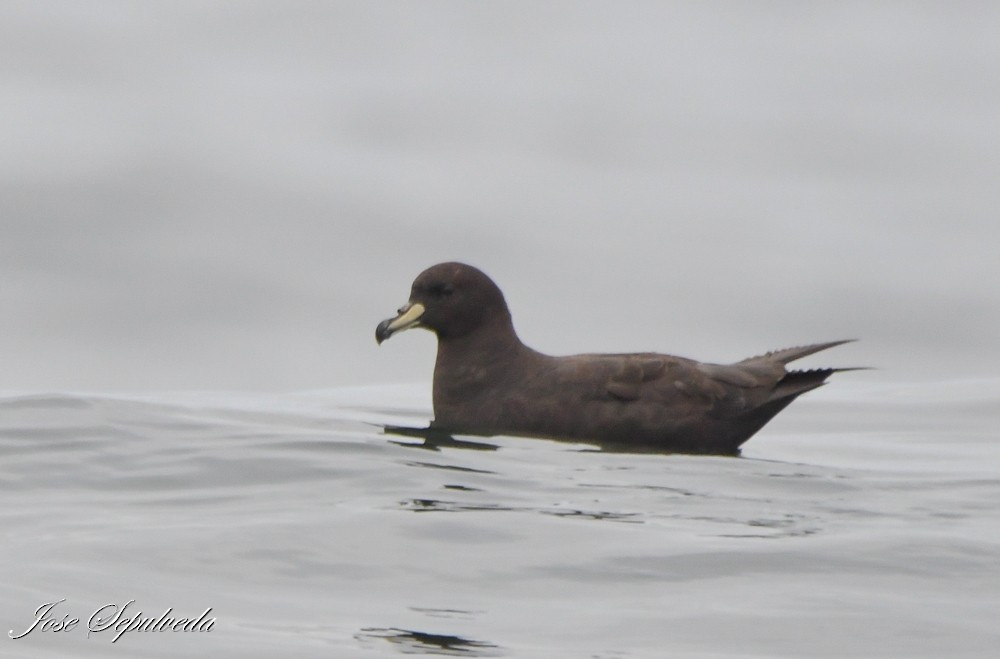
(230, 195)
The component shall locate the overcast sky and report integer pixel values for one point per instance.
(231, 195)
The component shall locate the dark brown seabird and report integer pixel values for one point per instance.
(486, 382)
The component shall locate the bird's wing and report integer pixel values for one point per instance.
(686, 387)
(663, 379)
(791, 354)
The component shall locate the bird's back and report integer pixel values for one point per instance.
(645, 400)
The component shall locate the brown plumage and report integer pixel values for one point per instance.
(487, 382)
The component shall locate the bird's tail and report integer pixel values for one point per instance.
(798, 382)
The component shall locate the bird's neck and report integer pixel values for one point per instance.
(478, 361)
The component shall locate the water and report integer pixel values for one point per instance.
(862, 522)
(229, 196)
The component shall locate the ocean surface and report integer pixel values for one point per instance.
(216, 196)
(863, 522)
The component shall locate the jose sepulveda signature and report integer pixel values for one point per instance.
(116, 619)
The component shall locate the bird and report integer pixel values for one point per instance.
(488, 382)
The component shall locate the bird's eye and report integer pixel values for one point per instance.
(441, 290)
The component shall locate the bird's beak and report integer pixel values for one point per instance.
(408, 316)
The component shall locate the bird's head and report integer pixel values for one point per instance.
(450, 299)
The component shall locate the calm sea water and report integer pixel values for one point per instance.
(863, 522)
(229, 196)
